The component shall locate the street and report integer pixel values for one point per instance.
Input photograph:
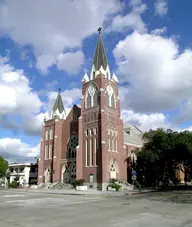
(27, 209)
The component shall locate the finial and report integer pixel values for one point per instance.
(99, 30)
(59, 90)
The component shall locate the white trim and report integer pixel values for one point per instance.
(90, 153)
(109, 144)
(46, 152)
(95, 145)
(131, 144)
(86, 153)
(50, 151)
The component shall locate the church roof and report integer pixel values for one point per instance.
(133, 135)
(132, 139)
(59, 103)
(100, 58)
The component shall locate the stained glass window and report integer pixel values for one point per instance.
(73, 143)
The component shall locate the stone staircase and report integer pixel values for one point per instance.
(61, 185)
(125, 186)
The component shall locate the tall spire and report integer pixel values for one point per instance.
(58, 110)
(100, 58)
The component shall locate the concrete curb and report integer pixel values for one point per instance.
(140, 193)
(109, 195)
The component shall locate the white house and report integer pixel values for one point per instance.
(22, 173)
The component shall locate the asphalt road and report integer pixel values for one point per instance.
(27, 209)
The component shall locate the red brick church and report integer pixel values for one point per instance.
(91, 142)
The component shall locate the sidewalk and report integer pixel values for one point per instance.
(89, 192)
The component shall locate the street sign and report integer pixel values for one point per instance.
(133, 173)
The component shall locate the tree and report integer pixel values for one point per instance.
(3, 167)
(163, 153)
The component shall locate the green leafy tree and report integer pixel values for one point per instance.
(163, 153)
(3, 167)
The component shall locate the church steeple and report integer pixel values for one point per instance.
(100, 58)
(58, 110)
(100, 64)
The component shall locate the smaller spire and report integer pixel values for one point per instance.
(58, 110)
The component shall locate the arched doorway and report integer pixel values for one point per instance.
(62, 173)
(47, 175)
(65, 174)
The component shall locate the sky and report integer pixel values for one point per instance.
(45, 46)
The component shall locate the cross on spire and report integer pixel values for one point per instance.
(99, 30)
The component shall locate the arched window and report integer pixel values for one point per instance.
(95, 99)
(106, 99)
(51, 134)
(72, 144)
(110, 99)
(113, 101)
(113, 170)
(88, 100)
(92, 96)
(47, 135)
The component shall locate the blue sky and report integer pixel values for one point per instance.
(44, 47)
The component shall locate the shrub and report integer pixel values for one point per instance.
(117, 187)
(79, 182)
(13, 184)
(112, 180)
(33, 181)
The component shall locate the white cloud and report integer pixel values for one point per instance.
(51, 27)
(17, 97)
(15, 150)
(132, 20)
(70, 62)
(159, 76)
(159, 31)
(145, 122)
(16, 91)
(161, 7)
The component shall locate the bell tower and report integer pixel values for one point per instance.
(100, 155)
